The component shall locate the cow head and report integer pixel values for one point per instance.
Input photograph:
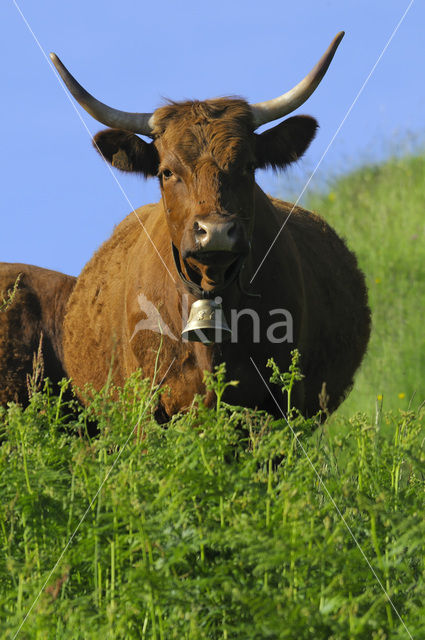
(205, 155)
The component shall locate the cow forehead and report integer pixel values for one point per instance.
(220, 128)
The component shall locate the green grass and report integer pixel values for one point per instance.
(214, 527)
(223, 525)
(380, 211)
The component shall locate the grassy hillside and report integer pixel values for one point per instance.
(216, 527)
(380, 210)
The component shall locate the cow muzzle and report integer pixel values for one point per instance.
(213, 249)
(216, 236)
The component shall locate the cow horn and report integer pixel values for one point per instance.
(142, 123)
(264, 112)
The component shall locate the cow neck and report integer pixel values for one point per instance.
(195, 289)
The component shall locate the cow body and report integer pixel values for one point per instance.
(35, 314)
(310, 273)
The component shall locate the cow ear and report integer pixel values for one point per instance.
(127, 152)
(284, 143)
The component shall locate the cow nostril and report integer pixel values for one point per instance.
(231, 229)
(199, 231)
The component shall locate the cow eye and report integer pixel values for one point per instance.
(166, 173)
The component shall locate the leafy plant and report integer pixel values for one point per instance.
(215, 526)
(8, 298)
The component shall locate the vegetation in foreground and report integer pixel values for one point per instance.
(380, 211)
(219, 526)
(224, 524)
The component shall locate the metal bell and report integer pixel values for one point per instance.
(206, 323)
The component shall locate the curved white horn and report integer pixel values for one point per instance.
(136, 122)
(278, 107)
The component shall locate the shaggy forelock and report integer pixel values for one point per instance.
(222, 128)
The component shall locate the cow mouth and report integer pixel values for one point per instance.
(212, 270)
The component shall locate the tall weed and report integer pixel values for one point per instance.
(218, 525)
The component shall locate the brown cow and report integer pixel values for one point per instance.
(206, 238)
(35, 314)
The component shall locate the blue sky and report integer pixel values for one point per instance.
(60, 202)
